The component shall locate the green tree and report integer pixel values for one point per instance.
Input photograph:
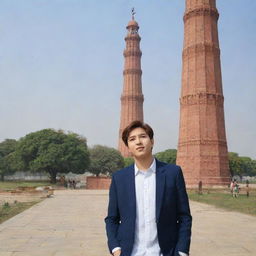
(247, 165)
(168, 156)
(234, 163)
(7, 161)
(241, 165)
(105, 160)
(128, 161)
(54, 152)
(253, 171)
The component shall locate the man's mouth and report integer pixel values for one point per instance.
(140, 148)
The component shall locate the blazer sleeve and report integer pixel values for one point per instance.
(113, 218)
(184, 216)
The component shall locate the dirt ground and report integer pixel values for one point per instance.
(21, 197)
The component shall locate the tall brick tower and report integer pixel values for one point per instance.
(202, 146)
(132, 97)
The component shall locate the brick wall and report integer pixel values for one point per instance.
(97, 182)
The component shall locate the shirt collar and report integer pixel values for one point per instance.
(152, 167)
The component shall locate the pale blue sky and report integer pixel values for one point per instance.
(61, 67)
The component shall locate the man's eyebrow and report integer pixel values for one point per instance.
(144, 133)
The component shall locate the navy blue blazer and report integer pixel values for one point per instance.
(173, 216)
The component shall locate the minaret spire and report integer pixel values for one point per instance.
(132, 97)
(202, 148)
(133, 13)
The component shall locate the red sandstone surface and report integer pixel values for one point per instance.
(132, 97)
(202, 148)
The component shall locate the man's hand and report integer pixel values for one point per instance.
(117, 253)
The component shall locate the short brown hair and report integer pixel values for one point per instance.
(133, 125)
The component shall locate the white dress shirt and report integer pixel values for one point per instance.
(146, 241)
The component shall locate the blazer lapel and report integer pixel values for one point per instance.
(160, 185)
(131, 189)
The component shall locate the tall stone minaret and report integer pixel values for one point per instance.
(132, 97)
(202, 146)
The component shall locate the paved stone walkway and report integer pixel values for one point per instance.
(71, 224)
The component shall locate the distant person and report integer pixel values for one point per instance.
(247, 188)
(74, 184)
(200, 187)
(231, 186)
(68, 184)
(148, 211)
(235, 189)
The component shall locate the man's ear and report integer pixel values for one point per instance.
(152, 141)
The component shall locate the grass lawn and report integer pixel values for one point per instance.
(9, 210)
(225, 200)
(11, 185)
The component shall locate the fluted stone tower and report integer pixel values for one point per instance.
(132, 97)
(202, 146)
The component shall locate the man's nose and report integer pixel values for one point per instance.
(138, 141)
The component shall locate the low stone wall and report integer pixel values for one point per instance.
(27, 176)
(12, 197)
(97, 182)
(25, 194)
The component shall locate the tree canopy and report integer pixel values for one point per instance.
(128, 161)
(54, 152)
(105, 160)
(167, 156)
(7, 148)
(240, 165)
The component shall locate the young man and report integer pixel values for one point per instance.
(148, 211)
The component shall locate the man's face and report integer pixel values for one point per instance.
(139, 143)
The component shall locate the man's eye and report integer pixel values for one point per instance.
(131, 139)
